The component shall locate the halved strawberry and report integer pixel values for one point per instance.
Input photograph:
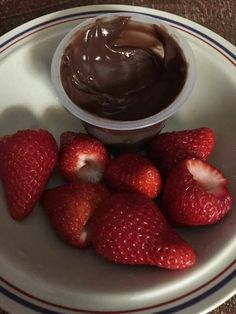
(27, 159)
(133, 172)
(82, 157)
(69, 208)
(195, 194)
(168, 149)
(130, 229)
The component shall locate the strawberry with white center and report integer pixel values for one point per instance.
(168, 149)
(69, 208)
(132, 172)
(130, 229)
(27, 159)
(196, 194)
(82, 157)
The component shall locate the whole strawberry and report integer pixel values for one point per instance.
(196, 194)
(133, 172)
(69, 208)
(82, 157)
(168, 149)
(27, 159)
(130, 229)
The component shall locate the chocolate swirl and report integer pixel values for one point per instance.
(122, 69)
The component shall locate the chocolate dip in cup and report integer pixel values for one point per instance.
(123, 75)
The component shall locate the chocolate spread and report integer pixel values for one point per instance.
(123, 69)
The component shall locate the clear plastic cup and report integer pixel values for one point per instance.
(124, 133)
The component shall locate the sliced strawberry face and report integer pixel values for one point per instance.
(130, 229)
(90, 167)
(208, 177)
(82, 157)
(85, 237)
(70, 207)
(196, 193)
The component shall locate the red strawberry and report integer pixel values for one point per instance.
(27, 159)
(69, 208)
(67, 138)
(82, 157)
(133, 172)
(196, 193)
(168, 149)
(130, 229)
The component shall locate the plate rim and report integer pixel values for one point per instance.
(201, 30)
(16, 33)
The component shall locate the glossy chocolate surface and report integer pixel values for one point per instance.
(122, 69)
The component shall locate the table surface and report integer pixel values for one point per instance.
(217, 15)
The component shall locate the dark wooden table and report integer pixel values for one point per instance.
(217, 15)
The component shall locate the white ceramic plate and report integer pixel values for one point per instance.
(38, 272)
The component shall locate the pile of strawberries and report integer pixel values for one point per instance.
(112, 203)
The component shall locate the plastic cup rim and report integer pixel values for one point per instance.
(97, 121)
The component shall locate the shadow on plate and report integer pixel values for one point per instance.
(17, 117)
(55, 119)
